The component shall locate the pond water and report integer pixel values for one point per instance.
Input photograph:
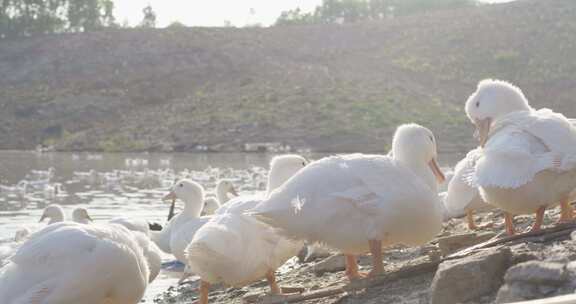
(111, 185)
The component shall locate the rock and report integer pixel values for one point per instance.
(533, 280)
(316, 251)
(364, 260)
(573, 235)
(471, 277)
(571, 273)
(334, 263)
(523, 253)
(537, 272)
(450, 244)
(433, 252)
(251, 297)
(521, 291)
(509, 293)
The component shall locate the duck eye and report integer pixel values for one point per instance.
(478, 104)
(181, 185)
(431, 138)
(304, 164)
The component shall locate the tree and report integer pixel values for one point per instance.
(149, 20)
(34, 17)
(30, 17)
(176, 24)
(295, 17)
(90, 15)
(346, 11)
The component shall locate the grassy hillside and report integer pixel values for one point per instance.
(328, 87)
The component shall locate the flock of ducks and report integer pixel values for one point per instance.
(355, 203)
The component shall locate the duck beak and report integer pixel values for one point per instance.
(170, 196)
(482, 130)
(89, 218)
(233, 191)
(436, 170)
(42, 218)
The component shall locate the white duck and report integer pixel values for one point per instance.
(192, 194)
(151, 253)
(225, 191)
(237, 249)
(211, 204)
(282, 167)
(69, 263)
(54, 213)
(460, 197)
(528, 159)
(133, 224)
(358, 203)
(179, 231)
(80, 215)
(162, 238)
(191, 210)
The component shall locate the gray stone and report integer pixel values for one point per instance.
(433, 252)
(571, 272)
(573, 235)
(451, 244)
(330, 264)
(508, 293)
(522, 291)
(534, 280)
(522, 253)
(471, 277)
(537, 272)
(317, 251)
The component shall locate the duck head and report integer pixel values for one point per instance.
(53, 212)
(492, 100)
(80, 215)
(223, 188)
(211, 204)
(191, 193)
(415, 146)
(282, 168)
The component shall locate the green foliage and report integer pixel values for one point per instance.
(295, 16)
(32, 17)
(347, 11)
(176, 24)
(90, 15)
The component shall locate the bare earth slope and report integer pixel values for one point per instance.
(328, 87)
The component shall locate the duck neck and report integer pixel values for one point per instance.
(423, 171)
(276, 178)
(193, 206)
(222, 194)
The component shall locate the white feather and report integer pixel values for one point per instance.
(344, 201)
(236, 249)
(68, 263)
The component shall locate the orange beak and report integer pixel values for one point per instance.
(170, 196)
(482, 130)
(436, 170)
